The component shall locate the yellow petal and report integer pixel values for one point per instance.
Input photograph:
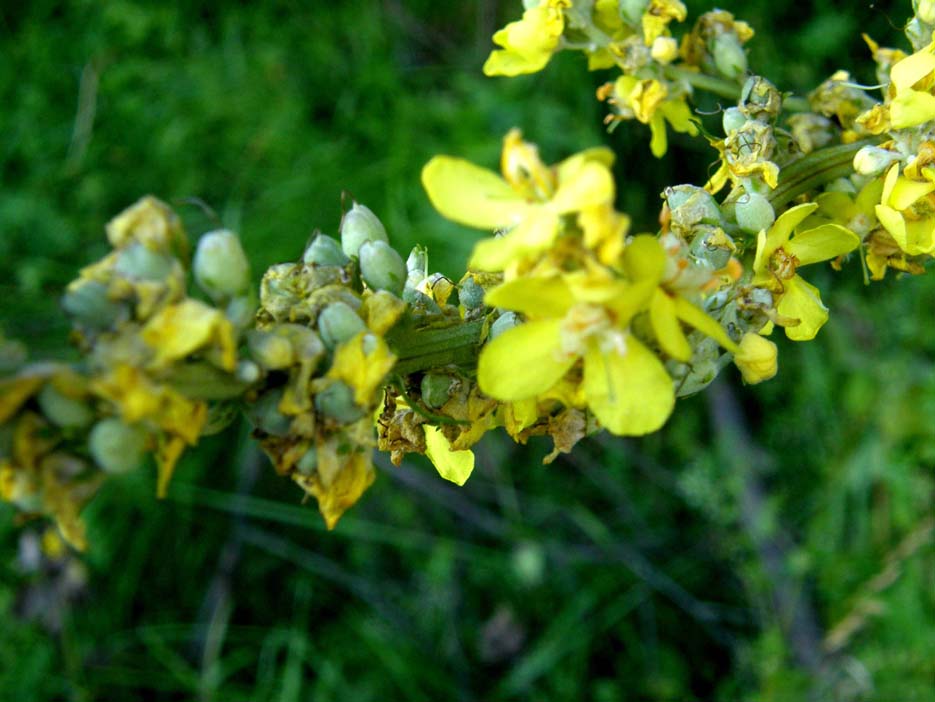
(912, 69)
(679, 115)
(802, 301)
(666, 327)
(471, 195)
(756, 358)
(523, 362)
(360, 370)
(780, 232)
(644, 258)
(905, 192)
(534, 297)
(591, 185)
(911, 108)
(455, 466)
(630, 393)
(659, 141)
(527, 44)
(822, 243)
(534, 233)
(894, 223)
(699, 319)
(571, 165)
(179, 330)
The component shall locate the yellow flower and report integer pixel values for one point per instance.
(584, 316)
(907, 211)
(362, 362)
(912, 83)
(656, 19)
(529, 43)
(756, 358)
(649, 102)
(779, 255)
(530, 198)
(339, 480)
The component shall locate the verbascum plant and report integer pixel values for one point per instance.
(568, 321)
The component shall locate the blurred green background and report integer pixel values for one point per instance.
(771, 543)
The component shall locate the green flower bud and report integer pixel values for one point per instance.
(691, 206)
(381, 267)
(924, 10)
(871, 160)
(306, 344)
(62, 410)
(241, 311)
(504, 322)
(139, 263)
(221, 267)
(712, 245)
(754, 212)
(308, 464)
(324, 251)
(420, 301)
(732, 119)
(632, 11)
(272, 351)
(417, 265)
(247, 372)
(117, 447)
(436, 389)
(337, 323)
(729, 57)
(471, 294)
(264, 414)
(360, 225)
(337, 402)
(89, 306)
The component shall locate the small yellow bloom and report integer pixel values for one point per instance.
(529, 43)
(657, 17)
(912, 85)
(779, 254)
(756, 358)
(907, 211)
(649, 102)
(529, 198)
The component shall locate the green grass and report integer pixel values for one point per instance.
(627, 570)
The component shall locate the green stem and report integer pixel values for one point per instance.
(815, 169)
(435, 347)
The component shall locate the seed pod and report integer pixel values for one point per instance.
(139, 263)
(504, 322)
(381, 267)
(360, 225)
(435, 389)
(270, 350)
(89, 306)
(221, 266)
(691, 206)
(337, 401)
(117, 447)
(324, 251)
(871, 160)
(337, 323)
(63, 410)
(754, 213)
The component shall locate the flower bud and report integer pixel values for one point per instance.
(871, 160)
(264, 414)
(337, 323)
(470, 294)
(665, 50)
(381, 267)
(690, 206)
(247, 372)
(117, 447)
(360, 225)
(760, 99)
(729, 57)
(754, 212)
(503, 323)
(62, 410)
(271, 351)
(924, 10)
(324, 251)
(308, 464)
(732, 119)
(221, 266)
(436, 389)
(241, 311)
(89, 306)
(417, 266)
(337, 401)
(140, 263)
(632, 10)
(756, 358)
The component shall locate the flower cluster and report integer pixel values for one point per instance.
(566, 321)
